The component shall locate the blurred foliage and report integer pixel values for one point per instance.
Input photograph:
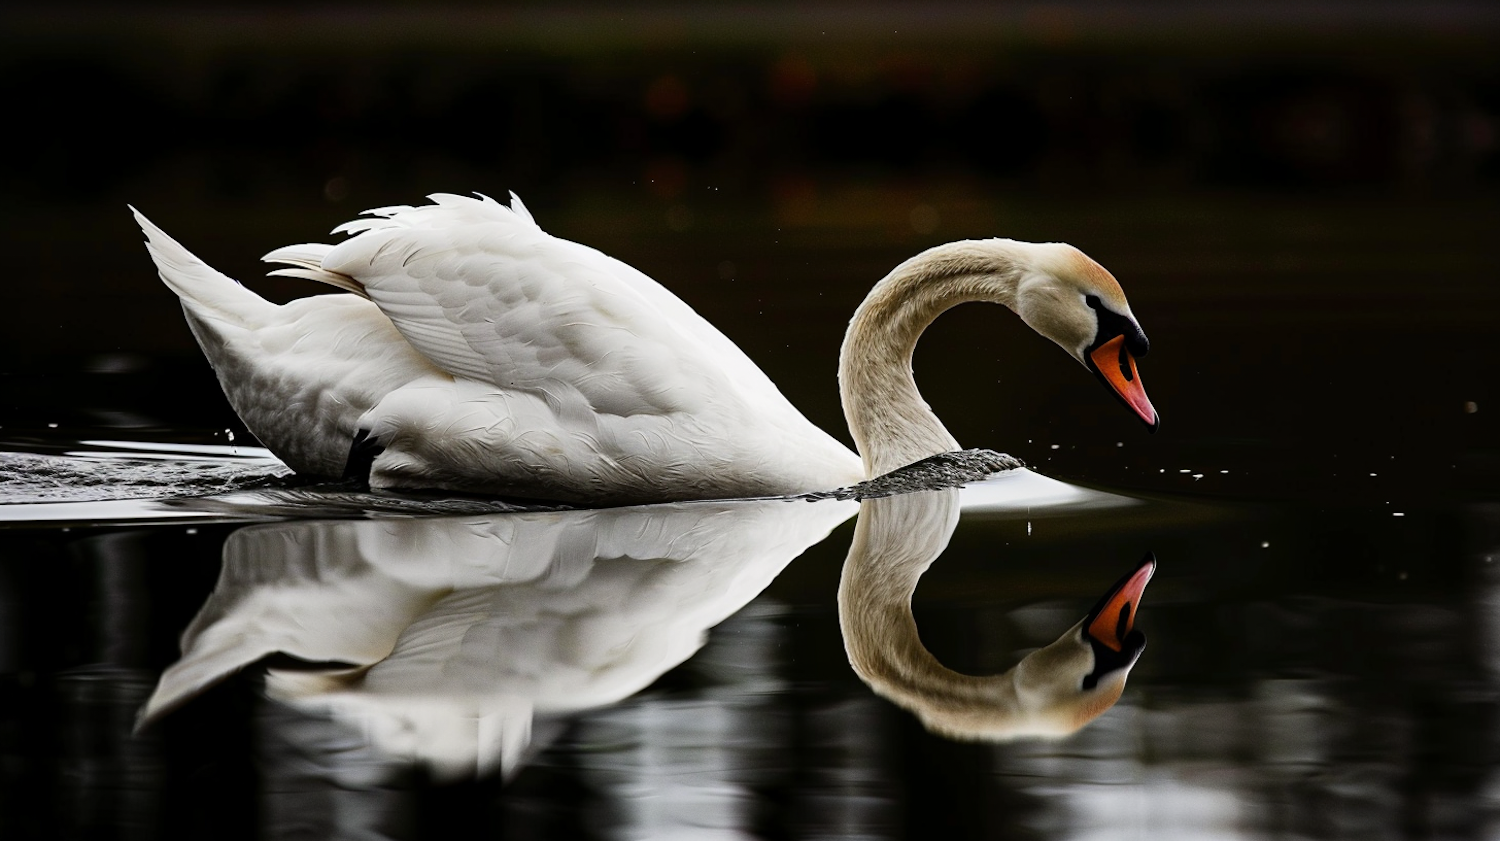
(247, 102)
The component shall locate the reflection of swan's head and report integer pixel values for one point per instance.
(1051, 692)
(1059, 688)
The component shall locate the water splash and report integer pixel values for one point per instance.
(934, 473)
(27, 478)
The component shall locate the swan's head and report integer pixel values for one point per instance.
(1060, 688)
(1075, 302)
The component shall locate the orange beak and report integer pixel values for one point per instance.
(1115, 616)
(1114, 364)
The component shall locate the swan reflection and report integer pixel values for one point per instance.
(1052, 692)
(440, 639)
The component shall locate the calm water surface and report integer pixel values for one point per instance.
(1312, 671)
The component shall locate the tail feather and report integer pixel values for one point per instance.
(308, 260)
(205, 292)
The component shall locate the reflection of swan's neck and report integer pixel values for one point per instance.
(891, 424)
(894, 544)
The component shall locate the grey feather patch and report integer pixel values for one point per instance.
(934, 473)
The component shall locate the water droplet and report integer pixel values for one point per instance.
(1265, 544)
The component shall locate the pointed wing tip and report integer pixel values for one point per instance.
(147, 226)
(519, 208)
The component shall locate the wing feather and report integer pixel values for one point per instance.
(481, 291)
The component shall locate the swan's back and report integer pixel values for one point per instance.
(487, 295)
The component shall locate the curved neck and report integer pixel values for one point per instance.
(892, 425)
(895, 540)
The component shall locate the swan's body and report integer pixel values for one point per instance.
(1052, 692)
(479, 353)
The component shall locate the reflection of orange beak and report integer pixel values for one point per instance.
(1116, 617)
(1114, 363)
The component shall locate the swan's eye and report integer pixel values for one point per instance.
(1112, 324)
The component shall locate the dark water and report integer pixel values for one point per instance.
(1311, 673)
(1301, 206)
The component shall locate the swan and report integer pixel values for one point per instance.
(478, 353)
(1051, 692)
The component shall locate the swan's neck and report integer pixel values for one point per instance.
(894, 543)
(892, 425)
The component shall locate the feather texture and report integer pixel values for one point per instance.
(493, 357)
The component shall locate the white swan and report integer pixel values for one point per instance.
(479, 353)
(1053, 691)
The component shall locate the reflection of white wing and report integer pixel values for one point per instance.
(456, 630)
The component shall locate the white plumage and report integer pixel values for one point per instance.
(489, 356)
(448, 623)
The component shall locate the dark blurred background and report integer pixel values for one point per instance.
(1300, 199)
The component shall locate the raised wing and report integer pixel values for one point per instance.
(483, 292)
